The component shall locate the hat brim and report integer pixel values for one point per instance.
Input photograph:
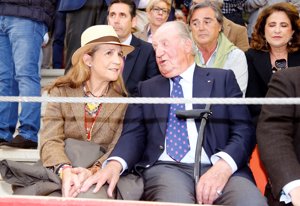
(126, 49)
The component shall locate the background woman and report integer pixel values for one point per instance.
(157, 13)
(97, 65)
(275, 44)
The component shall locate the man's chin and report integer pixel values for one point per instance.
(168, 74)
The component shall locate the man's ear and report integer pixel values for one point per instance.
(188, 44)
(134, 22)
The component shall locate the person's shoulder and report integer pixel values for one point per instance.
(286, 81)
(254, 52)
(141, 43)
(66, 91)
(234, 25)
(295, 54)
(216, 72)
(153, 80)
(291, 73)
(236, 51)
(66, 6)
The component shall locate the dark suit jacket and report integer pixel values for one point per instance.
(229, 130)
(139, 64)
(259, 70)
(278, 131)
(70, 5)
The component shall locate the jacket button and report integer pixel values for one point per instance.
(161, 147)
(147, 166)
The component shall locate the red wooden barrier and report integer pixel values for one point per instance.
(56, 201)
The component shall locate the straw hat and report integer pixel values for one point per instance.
(99, 34)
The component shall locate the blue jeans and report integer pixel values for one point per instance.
(20, 46)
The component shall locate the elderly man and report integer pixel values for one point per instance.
(214, 49)
(146, 144)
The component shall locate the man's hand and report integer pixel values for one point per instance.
(109, 174)
(295, 195)
(212, 182)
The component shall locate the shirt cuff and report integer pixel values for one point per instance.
(285, 195)
(118, 159)
(214, 158)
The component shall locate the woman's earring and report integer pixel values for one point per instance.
(290, 41)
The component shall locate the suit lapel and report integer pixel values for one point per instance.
(77, 108)
(264, 67)
(202, 85)
(161, 89)
(131, 59)
(105, 112)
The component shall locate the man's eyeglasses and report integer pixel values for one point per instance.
(157, 10)
(279, 65)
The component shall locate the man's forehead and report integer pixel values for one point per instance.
(204, 13)
(116, 10)
(163, 34)
(198, 1)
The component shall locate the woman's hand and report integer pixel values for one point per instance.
(82, 174)
(70, 183)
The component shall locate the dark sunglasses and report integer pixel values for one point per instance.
(279, 65)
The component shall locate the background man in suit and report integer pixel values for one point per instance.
(278, 138)
(144, 145)
(140, 64)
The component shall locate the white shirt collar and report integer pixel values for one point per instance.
(128, 40)
(188, 74)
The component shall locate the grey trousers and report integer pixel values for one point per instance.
(174, 182)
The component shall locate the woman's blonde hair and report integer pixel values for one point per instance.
(151, 4)
(80, 73)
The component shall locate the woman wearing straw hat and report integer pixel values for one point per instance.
(97, 66)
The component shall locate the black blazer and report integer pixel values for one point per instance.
(259, 74)
(229, 129)
(139, 64)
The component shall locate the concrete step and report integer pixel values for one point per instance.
(20, 155)
(49, 75)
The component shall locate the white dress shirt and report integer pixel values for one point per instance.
(285, 196)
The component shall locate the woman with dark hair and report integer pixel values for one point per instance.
(275, 45)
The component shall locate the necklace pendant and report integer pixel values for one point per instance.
(92, 108)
